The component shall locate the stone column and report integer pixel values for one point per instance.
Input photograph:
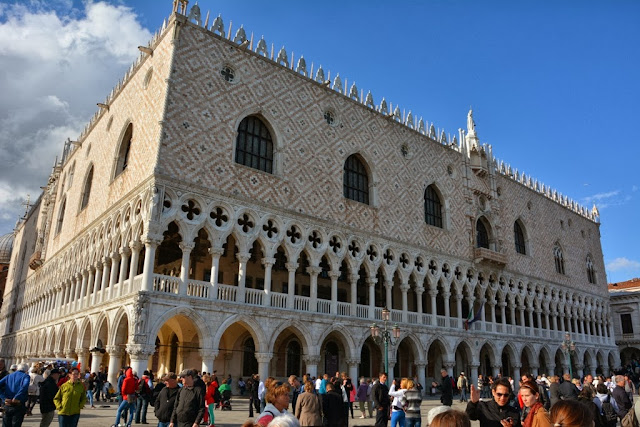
(263, 364)
(95, 286)
(554, 320)
(115, 363)
(115, 268)
(150, 246)
(496, 370)
(268, 266)
(208, 359)
(392, 365)
(516, 377)
(136, 247)
(492, 304)
(71, 292)
(522, 322)
(87, 277)
(243, 258)
(512, 308)
(96, 361)
(353, 280)
(534, 370)
(124, 261)
(216, 253)
(483, 318)
(313, 271)
(446, 296)
(503, 313)
(474, 373)
(419, 292)
(104, 283)
(420, 367)
(334, 292)
(83, 355)
(139, 355)
(539, 316)
(433, 293)
(388, 284)
(530, 315)
(372, 281)
(353, 369)
(575, 324)
(184, 267)
(404, 288)
(311, 362)
(291, 268)
(458, 307)
(449, 365)
(580, 370)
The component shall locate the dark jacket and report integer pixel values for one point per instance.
(622, 400)
(189, 407)
(380, 394)
(489, 413)
(554, 393)
(568, 391)
(447, 391)
(333, 408)
(48, 390)
(164, 403)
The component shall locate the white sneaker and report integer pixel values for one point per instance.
(362, 416)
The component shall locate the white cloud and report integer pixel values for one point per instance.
(57, 62)
(602, 196)
(623, 264)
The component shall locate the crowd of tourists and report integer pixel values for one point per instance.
(191, 398)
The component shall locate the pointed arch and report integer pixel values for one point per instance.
(483, 233)
(254, 144)
(433, 207)
(355, 179)
(86, 188)
(122, 157)
(61, 211)
(252, 326)
(199, 322)
(520, 237)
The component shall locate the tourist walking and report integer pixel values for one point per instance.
(332, 407)
(362, 395)
(164, 403)
(35, 379)
(568, 390)
(189, 405)
(397, 406)
(128, 395)
(48, 390)
(491, 413)
(463, 384)
(308, 409)
(70, 400)
(446, 388)
(380, 393)
(620, 396)
(14, 389)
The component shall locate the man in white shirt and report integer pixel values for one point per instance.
(261, 393)
(318, 382)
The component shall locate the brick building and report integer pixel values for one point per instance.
(228, 209)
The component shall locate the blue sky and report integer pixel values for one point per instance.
(553, 84)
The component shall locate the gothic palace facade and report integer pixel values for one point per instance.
(226, 209)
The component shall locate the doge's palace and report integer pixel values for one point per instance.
(230, 207)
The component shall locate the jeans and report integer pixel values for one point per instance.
(141, 409)
(397, 418)
(463, 395)
(47, 417)
(90, 397)
(68, 420)
(412, 422)
(161, 424)
(124, 406)
(13, 415)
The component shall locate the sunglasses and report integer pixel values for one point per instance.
(502, 394)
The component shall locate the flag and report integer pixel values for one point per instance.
(471, 319)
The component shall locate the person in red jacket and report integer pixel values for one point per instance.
(129, 387)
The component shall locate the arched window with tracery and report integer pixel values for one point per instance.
(559, 258)
(432, 207)
(254, 145)
(356, 180)
(86, 191)
(591, 273)
(63, 207)
(122, 161)
(518, 236)
(482, 235)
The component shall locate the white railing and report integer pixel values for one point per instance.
(396, 315)
(278, 300)
(324, 306)
(510, 329)
(344, 309)
(499, 328)
(454, 322)
(362, 311)
(441, 321)
(198, 289)
(489, 326)
(253, 296)
(427, 319)
(412, 317)
(168, 284)
(301, 303)
(137, 283)
(227, 292)
(377, 313)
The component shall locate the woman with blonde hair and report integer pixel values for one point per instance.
(397, 406)
(536, 415)
(277, 398)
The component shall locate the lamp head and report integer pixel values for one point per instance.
(385, 314)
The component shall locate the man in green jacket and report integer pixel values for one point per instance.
(70, 399)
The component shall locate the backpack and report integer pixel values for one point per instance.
(629, 420)
(454, 386)
(608, 415)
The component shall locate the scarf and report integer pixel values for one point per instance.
(528, 422)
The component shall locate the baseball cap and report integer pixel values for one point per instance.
(186, 372)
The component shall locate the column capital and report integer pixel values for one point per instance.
(352, 362)
(243, 256)
(268, 261)
(433, 292)
(106, 262)
(291, 266)
(140, 351)
(371, 281)
(449, 364)
(516, 366)
(334, 274)
(69, 353)
(135, 245)
(82, 352)
(125, 251)
(186, 247)
(114, 350)
(115, 256)
(420, 364)
(314, 270)
(312, 359)
(216, 251)
(353, 278)
(264, 357)
(151, 241)
(98, 265)
(475, 365)
(419, 290)
(208, 353)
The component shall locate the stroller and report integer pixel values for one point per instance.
(225, 404)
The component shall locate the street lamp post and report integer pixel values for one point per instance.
(568, 346)
(385, 336)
